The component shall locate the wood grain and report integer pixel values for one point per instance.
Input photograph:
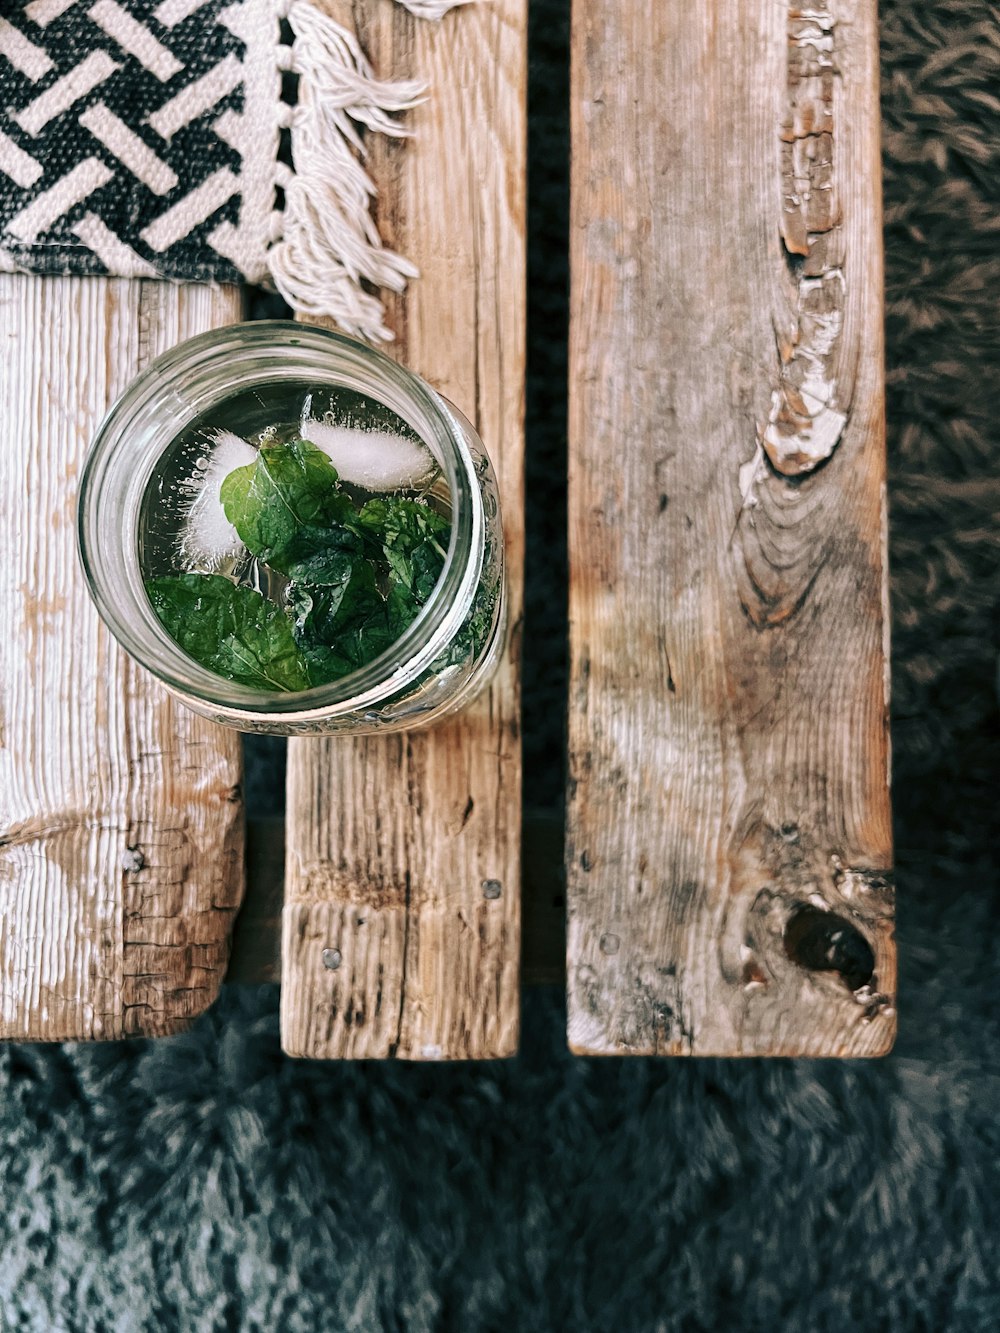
(121, 813)
(729, 836)
(391, 840)
(256, 952)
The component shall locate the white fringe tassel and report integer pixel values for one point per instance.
(329, 243)
(432, 9)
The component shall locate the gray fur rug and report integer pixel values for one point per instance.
(207, 1183)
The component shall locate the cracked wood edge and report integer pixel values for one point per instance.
(121, 817)
(390, 840)
(729, 823)
(810, 405)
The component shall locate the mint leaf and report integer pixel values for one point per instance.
(475, 630)
(414, 540)
(323, 557)
(233, 631)
(340, 627)
(340, 633)
(401, 523)
(319, 613)
(357, 578)
(274, 502)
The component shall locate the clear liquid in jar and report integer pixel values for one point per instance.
(182, 527)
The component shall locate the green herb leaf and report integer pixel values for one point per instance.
(288, 491)
(397, 521)
(340, 627)
(319, 613)
(233, 631)
(357, 579)
(323, 557)
(414, 540)
(475, 629)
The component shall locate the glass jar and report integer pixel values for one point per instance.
(426, 674)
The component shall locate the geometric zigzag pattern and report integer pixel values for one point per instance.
(122, 137)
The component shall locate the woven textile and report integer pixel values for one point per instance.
(143, 138)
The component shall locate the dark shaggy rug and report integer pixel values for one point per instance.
(207, 1183)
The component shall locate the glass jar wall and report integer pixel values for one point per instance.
(156, 459)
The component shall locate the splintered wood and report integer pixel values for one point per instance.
(729, 837)
(401, 929)
(808, 412)
(120, 812)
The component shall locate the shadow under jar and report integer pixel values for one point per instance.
(386, 519)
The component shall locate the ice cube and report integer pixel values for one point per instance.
(378, 460)
(207, 539)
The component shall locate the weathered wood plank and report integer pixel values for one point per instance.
(729, 821)
(256, 952)
(121, 815)
(391, 840)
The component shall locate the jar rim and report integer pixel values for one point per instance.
(176, 388)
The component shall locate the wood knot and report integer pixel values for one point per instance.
(822, 941)
(132, 859)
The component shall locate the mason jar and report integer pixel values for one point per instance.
(433, 668)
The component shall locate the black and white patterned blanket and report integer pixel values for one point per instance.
(120, 137)
(141, 138)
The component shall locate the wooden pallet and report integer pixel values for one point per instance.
(120, 876)
(728, 844)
